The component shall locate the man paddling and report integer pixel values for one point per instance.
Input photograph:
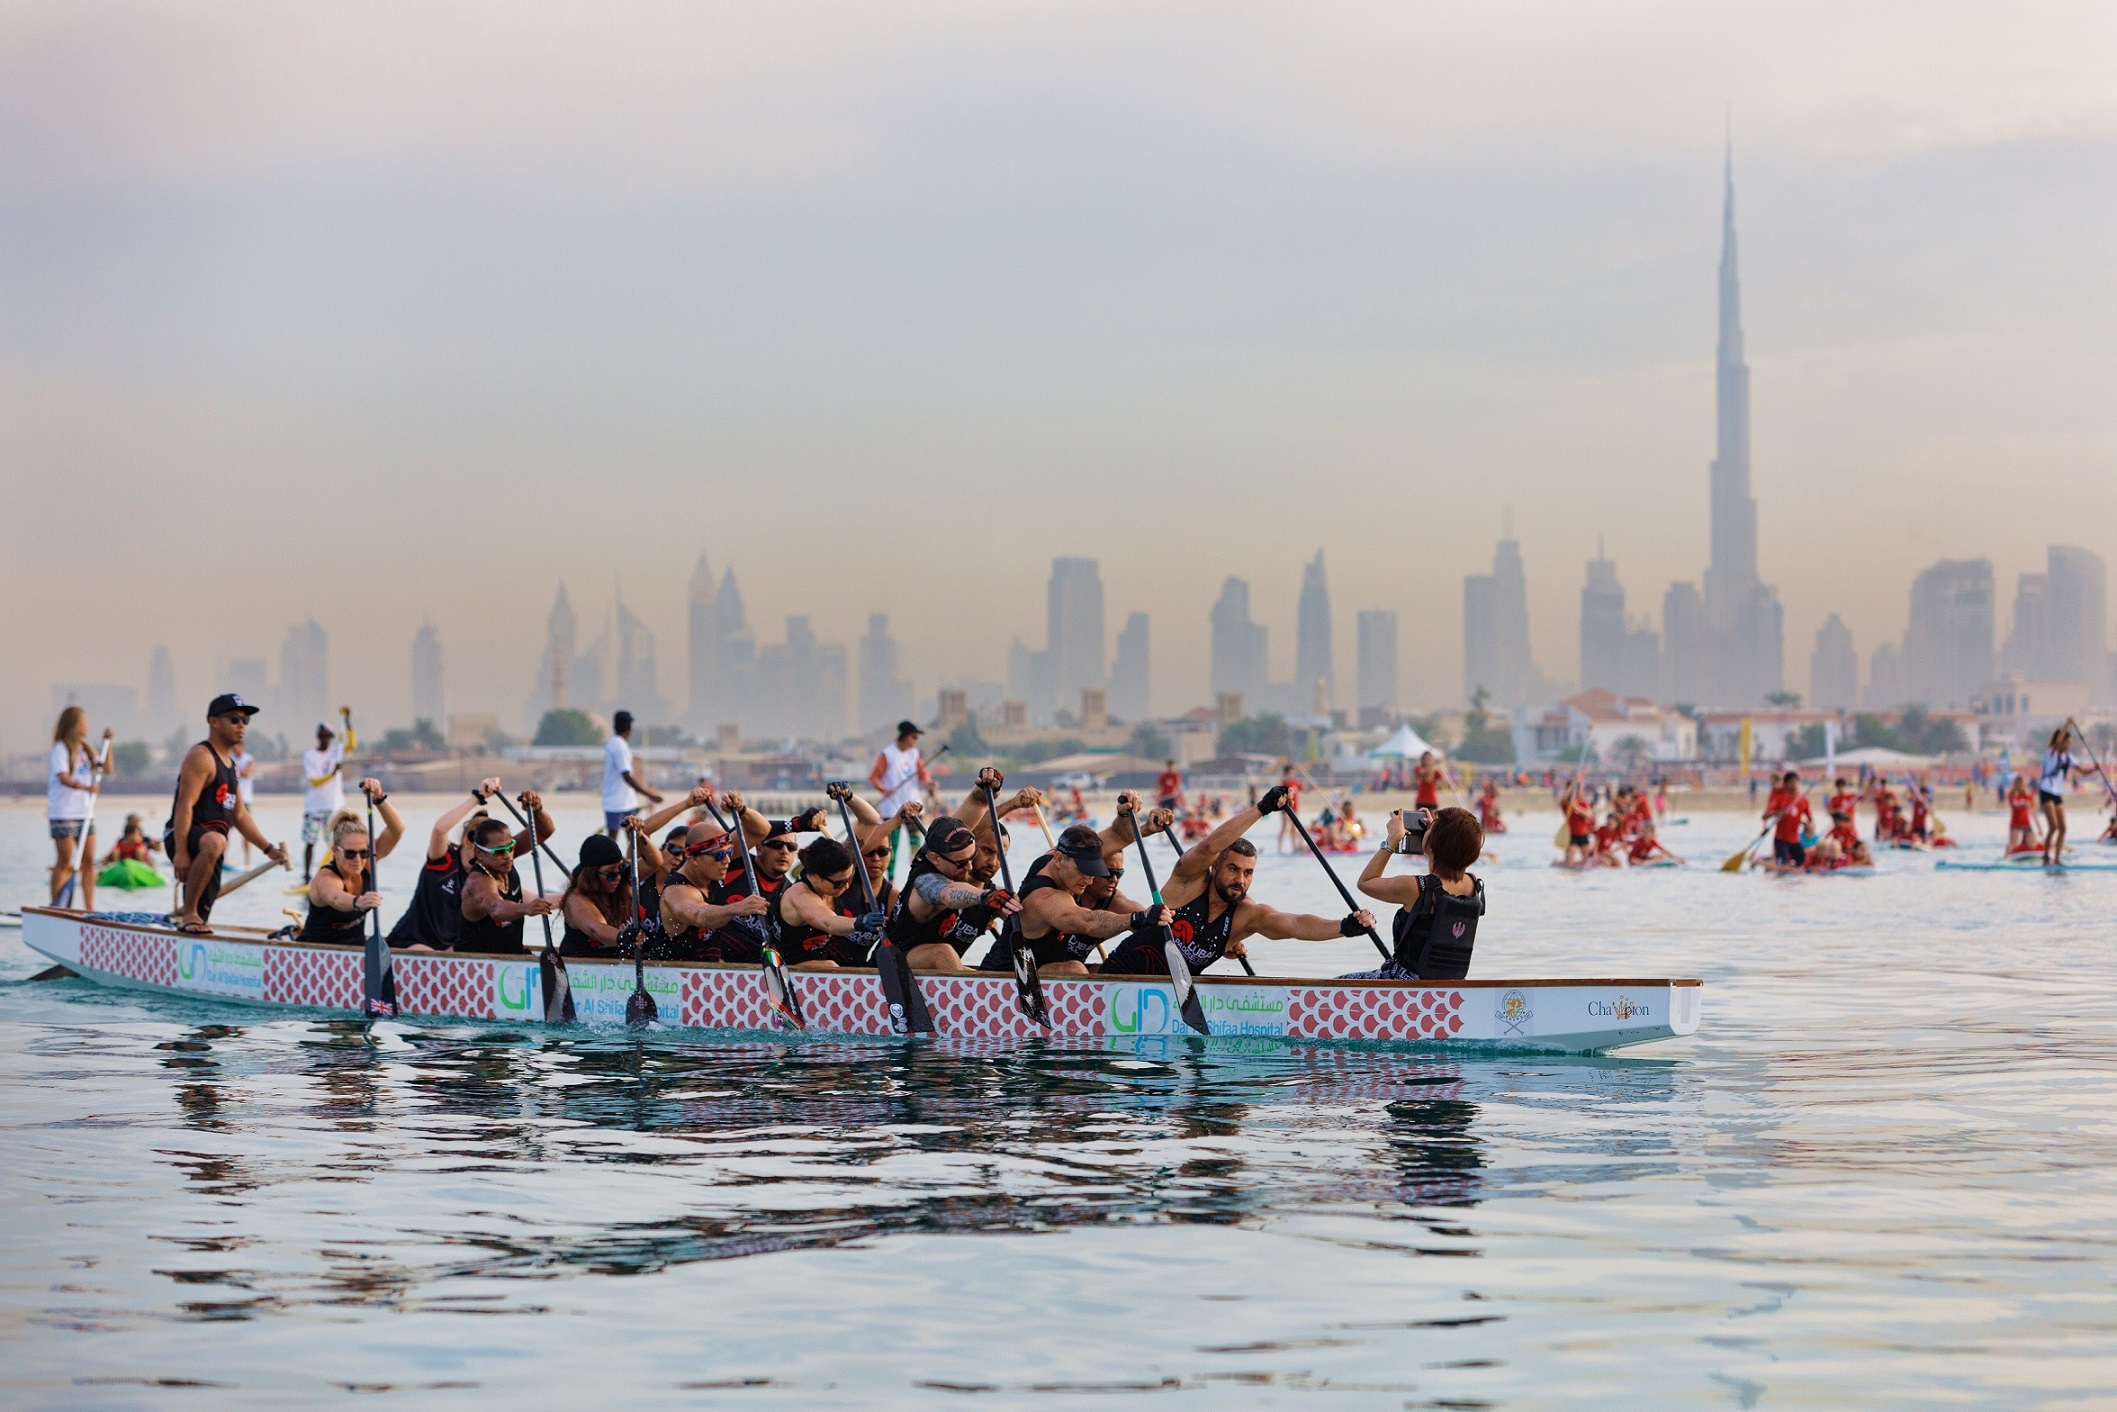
(1788, 805)
(1057, 927)
(207, 808)
(700, 920)
(945, 909)
(1211, 911)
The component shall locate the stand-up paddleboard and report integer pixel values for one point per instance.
(2026, 863)
(245, 965)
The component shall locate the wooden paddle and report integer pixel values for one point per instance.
(780, 996)
(901, 996)
(1187, 1001)
(640, 1010)
(1028, 985)
(378, 973)
(253, 874)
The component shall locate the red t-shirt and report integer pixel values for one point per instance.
(1791, 819)
(1169, 784)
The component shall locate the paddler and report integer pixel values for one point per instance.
(2021, 819)
(1056, 927)
(1843, 804)
(1577, 803)
(2052, 782)
(900, 775)
(598, 901)
(207, 808)
(1211, 912)
(1787, 810)
(814, 932)
(342, 891)
(1488, 807)
(699, 920)
(323, 785)
(945, 910)
(1435, 927)
(874, 837)
(433, 919)
(494, 909)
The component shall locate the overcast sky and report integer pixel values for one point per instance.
(388, 310)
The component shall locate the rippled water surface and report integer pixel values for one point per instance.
(1883, 1173)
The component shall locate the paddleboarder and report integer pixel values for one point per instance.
(207, 808)
(70, 791)
(323, 785)
(1787, 809)
(622, 788)
(2052, 782)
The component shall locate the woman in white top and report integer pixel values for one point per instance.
(2051, 787)
(69, 795)
(245, 787)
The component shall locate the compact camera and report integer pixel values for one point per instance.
(1415, 822)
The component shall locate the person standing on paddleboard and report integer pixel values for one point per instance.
(323, 785)
(621, 785)
(1788, 805)
(70, 790)
(2052, 782)
(208, 807)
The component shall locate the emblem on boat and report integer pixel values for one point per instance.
(1514, 1012)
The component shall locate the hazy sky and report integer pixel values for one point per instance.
(383, 310)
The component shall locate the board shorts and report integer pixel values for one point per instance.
(1792, 854)
(313, 827)
(212, 890)
(1581, 840)
(615, 819)
(67, 828)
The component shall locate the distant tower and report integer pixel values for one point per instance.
(428, 701)
(1378, 662)
(1312, 634)
(698, 639)
(161, 692)
(1732, 573)
(1602, 626)
(305, 677)
(1131, 685)
(885, 697)
(1496, 627)
(1074, 629)
(559, 631)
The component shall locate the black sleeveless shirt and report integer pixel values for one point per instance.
(959, 930)
(217, 799)
(330, 924)
(1048, 950)
(434, 917)
(488, 937)
(1434, 936)
(1202, 940)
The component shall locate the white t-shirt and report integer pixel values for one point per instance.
(244, 762)
(328, 797)
(900, 779)
(618, 797)
(62, 801)
(2057, 769)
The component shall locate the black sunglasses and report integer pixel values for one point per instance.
(610, 872)
(355, 852)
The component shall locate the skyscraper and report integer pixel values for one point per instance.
(698, 642)
(2028, 646)
(1686, 647)
(1496, 629)
(428, 702)
(1602, 627)
(1239, 645)
(801, 685)
(1834, 668)
(885, 697)
(2080, 631)
(1074, 630)
(162, 712)
(1131, 684)
(1312, 653)
(1947, 655)
(733, 654)
(305, 677)
(638, 689)
(1377, 634)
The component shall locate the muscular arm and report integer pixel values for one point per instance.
(392, 828)
(1062, 914)
(1190, 872)
(327, 890)
(933, 893)
(482, 901)
(583, 915)
(437, 837)
(696, 799)
(1256, 919)
(683, 905)
(812, 911)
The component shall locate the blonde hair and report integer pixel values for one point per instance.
(72, 728)
(343, 822)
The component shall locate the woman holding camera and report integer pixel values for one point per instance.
(1438, 910)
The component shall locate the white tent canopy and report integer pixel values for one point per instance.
(1404, 745)
(1876, 757)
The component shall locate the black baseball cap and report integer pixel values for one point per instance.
(229, 704)
(1083, 846)
(947, 835)
(909, 728)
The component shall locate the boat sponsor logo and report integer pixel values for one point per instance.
(600, 992)
(217, 968)
(1229, 1010)
(1621, 1008)
(513, 984)
(1515, 1013)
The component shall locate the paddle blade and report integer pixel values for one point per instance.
(900, 992)
(378, 979)
(1737, 859)
(779, 991)
(640, 1010)
(1187, 1002)
(558, 988)
(1028, 985)
(54, 973)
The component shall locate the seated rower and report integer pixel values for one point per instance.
(945, 909)
(492, 903)
(1211, 911)
(434, 917)
(1435, 928)
(342, 891)
(1055, 925)
(598, 902)
(814, 933)
(700, 919)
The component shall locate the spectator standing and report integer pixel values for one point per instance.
(621, 785)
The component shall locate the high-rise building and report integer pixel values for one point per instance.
(1602, 627)
(429, 701)
(885, 696)
(1885, 679)
(1377, 633)
(2079, 632)
(698, 643)
(1640, 674)
(733, 655)
(162, 712)
(1131, 683)
(1948, 655)
(1834, 668)
(1073, 621)
(304, 697)
(1239, 645)
(1496, 629)
(2028, 646)
(638, 687)
(1686, 647)
(245, 676)
(1312, 633)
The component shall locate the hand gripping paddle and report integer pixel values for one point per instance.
(378, 975)
(778, 986)
(640, 1009)
(1028, 986)
(1194, 1013)
(900, 988)
(1170, 834)
(551, 967)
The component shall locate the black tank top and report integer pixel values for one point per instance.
(490, 938)
(1202, 940)
(217, 798)
(741, 941)
(1048, 950)
(575, 942)
(959, 930)
(330, 924)
(798, 941)
(1434, 935)
(434, 916)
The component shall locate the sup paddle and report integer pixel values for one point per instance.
(1187, 1003)
(780, 998)
(900, 988)
(1028, 985)
(1170, 833)
(2107, 787)
(551, 966)
(1740, 856)
(378, 972)
(639, 1008)
(1350, 905)
(83, 856)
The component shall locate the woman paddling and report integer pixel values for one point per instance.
(342, 891)
(598, 900)
(2056, 778)
(69, 795)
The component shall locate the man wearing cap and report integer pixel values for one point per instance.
(208, 806)
(1055, 926)
(323, 788)
(945, 909)
(900, 775)
(621, 787)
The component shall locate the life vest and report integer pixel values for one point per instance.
(1435, 935)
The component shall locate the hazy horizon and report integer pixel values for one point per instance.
(417, 311)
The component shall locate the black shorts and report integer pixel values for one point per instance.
(1792, 854)
(212, 890)
(1582, 840)
(2049, 798)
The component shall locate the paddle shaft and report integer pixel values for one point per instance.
(1170, 834)
(1337, 882)
(2107, 787)
(536, 838)
(536, 871)
(252, 875)
(1179, 965)
(774, 967)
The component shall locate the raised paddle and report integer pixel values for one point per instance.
(1350, 905)
(640, 1010)
(83, 858)
(780, 997)
(900, 989)
(1170, 834)
(1036, 811)
(378, 972)
(551, 966)
(2107, 787)
(1187, 1002)
(1028, 985)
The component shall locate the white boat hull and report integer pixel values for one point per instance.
(1572, 1016)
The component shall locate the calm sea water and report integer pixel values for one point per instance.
(1884, 1173)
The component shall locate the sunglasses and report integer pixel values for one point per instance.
(837, 883)
(708, 850)
(785, 844)
(611, 873)
(963, 862)
(882, 852)
(498, 850)
(355, 852)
